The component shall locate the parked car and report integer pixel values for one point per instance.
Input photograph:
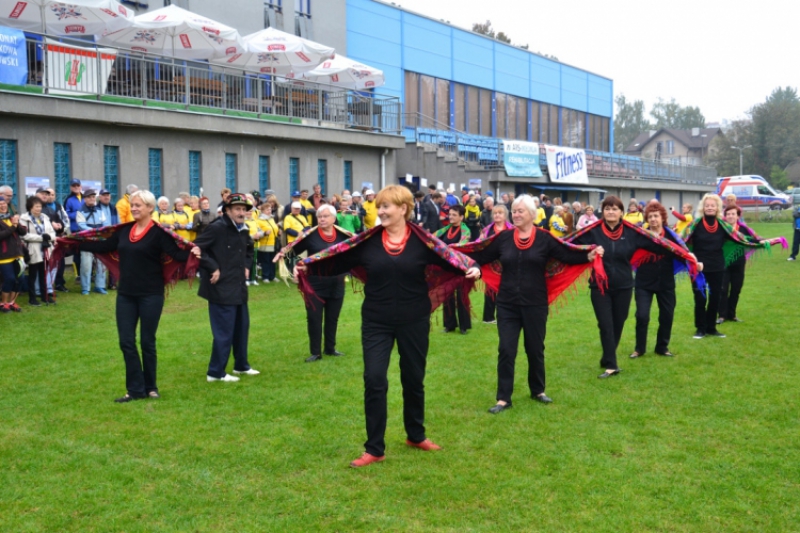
(794, 194)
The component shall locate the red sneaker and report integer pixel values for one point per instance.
(366, 460)
(428, 445)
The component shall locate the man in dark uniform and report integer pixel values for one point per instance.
(227, 253)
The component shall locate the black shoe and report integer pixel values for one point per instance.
(608, 373)
(51, 299)
(463, 332)
(335, 353)
(544, 398)
(720, 320)
(153, 394)
(499, 408)
(127, 398)
(698, 334)
(33, 302)
(716, 333)
(447, 330)
(666, 354)
(736, 319)
(313, 358)
(62, 288)
(112, 287)
(635, 355)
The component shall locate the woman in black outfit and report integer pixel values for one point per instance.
(655, 278)
(733, 276)
(330, 290)
(611, 306)
(522, 299)
(140, 291)
(707, 240)
(396, 308)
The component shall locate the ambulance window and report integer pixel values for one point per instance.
(765, 191)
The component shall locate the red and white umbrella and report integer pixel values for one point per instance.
(346, 73)
(175, 32)
(272, 51)
(77, 17)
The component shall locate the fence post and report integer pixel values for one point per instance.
(99, 72)
(259, 94)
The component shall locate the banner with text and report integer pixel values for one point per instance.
(13, 57)
(74, 69)
(521, 159)
(566, 165)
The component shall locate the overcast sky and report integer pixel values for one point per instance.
(719, 55)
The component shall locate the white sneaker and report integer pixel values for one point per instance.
(790, 259)
(247, 283)
(227, 377)
(251, 372)
(254, 282)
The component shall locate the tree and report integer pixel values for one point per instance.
(724, 157)
(778, 178)
(629, 122)
(673, 115)
(776, 130)
(484, 29)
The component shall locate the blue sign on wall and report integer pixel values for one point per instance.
(521, 159)
(13, 57)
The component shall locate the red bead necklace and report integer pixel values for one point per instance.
(393, 247)
(711, 228)
(138, 237)
(614, 234)
(524, 244)
(327, 238)
(452, 232)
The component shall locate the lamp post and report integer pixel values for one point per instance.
(740, 155)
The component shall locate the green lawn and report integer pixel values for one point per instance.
(707, 441)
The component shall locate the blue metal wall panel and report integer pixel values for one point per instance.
(294, 174)
(111, 170)
(63, 169)
(195, 159)
(545, 80)
(601, 96)
(231, 172)
(574, 88)
(322, 175)
(154, 166)
(511, 72)
(263, 174)
(8, 164)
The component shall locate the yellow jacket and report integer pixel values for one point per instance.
(265, 226)
(165, 219)
(296, 223)
(683, 224)
(124, 209)
(371, 215)
(308, 205)
(557, 226)
(474, 209)
(634, 218)
(182, 218)
(539, 216)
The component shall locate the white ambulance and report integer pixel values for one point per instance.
(752, 193)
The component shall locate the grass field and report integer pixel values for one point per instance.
(707, 441)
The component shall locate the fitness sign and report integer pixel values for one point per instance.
(566, 165)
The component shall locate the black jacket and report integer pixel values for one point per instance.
(231, 251)
(430, 216)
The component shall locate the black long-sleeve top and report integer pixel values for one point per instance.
(324, 286)
(708, 246)
(618, 254)
(140, 269)
(658, 275)
(396, 291)
(523, 280)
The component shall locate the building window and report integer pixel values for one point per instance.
(322, 175)
(231, 181)
(271, 10)
(670, 147)
(294, 174)
(348, 175)
(195, 172)
(412, 96)
(154, 170)
(62, 167)
(302, 14)
(427, 90)
(263, 173)
(111, 169)
(8, 164)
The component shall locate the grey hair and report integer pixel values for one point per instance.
(347, 197)
(576, 206)
(178, 199)
(164, 198)
(557, 210)
(6, 188)
(528, 201)
(327, 207)
(130, 189)
(536, 201)
(145, 196)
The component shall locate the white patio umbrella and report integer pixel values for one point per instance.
(175, 32)
(77, 17)
(272, 51)
(346, 73)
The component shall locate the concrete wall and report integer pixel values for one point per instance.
(245, 16)
(329, 24)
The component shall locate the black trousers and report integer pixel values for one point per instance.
(732, 283)
(315, 312)
(453, 307)
(796, 243)
(489, 307)
(611, 310)
(140, 375)
(60, 274)
(230, 325)
(267, 266)
(377, 341)
(511, 320)
(37, 272)
(666, 314)
(706, 306)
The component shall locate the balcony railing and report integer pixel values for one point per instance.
(69, 67)
(488, 152)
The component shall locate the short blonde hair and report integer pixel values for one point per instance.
(557, 210)
(146, 197)
(701, 205)
(528, 201)
(500, 208)
(399, 196)
(327, 207)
